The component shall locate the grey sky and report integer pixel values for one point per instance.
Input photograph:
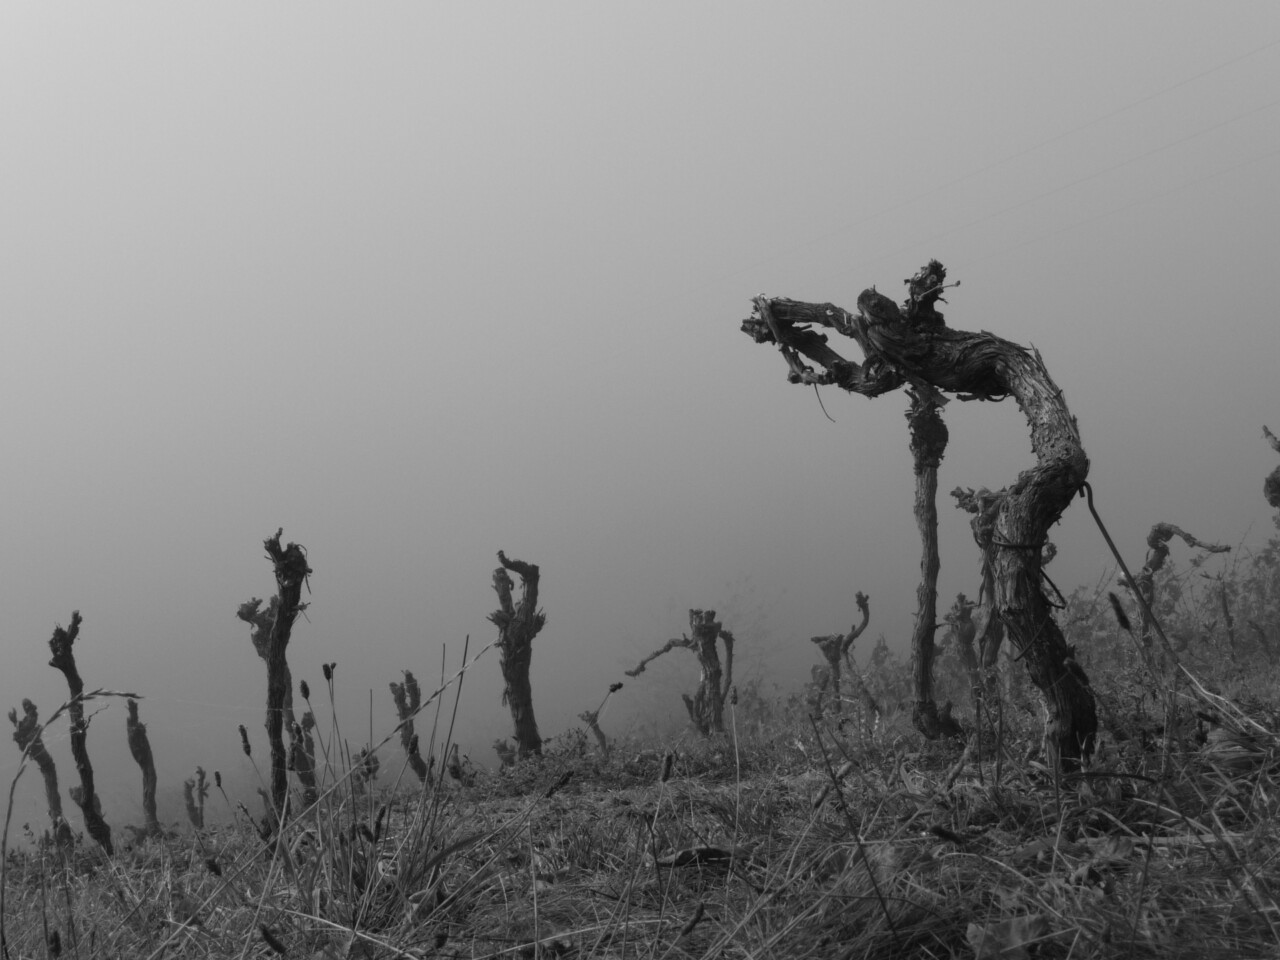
(418, 282)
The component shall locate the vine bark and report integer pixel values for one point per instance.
(517, 625)
(271, 634)
(85, 795)
(914, 347)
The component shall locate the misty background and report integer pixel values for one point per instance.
(422, 282)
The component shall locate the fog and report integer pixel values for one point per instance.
(422, 282)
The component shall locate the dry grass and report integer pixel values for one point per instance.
(742, 850)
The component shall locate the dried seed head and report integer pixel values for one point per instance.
(306, 690)
(244, 741)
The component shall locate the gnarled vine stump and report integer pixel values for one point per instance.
(140, 748)
(835, 649)
(517, 625)
(408, 699)
(27, 734)
(271, 632)
(914, 347)
(706, 706)
(86, 794)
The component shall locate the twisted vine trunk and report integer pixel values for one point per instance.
(706, 706)
(1028, 509)
(914, 347)
(27, 735)
(86, 795)
(291, 572)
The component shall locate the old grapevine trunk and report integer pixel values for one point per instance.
(291, 570)
(517, 625)
(27, 735)
(903, 349)
(86, 795)
(706, 706)
(928, 444)
(408, 699)
(140, 747)
(985, 507)
(835, 648)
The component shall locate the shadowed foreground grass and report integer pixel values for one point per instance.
(741, 847)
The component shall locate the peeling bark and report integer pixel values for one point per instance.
(517, 625)
(271, 633)
(85, 796)
(928, 444)
(706, 708)
(915, 347)
(989, 632)
(408, 699)
(140, 748)
(261, 623)
(27, 735)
